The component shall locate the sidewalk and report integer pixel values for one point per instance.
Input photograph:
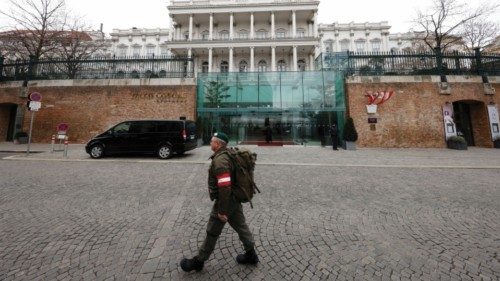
(475, 158)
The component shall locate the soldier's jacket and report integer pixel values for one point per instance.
(219, 179)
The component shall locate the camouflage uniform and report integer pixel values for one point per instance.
(219, 185)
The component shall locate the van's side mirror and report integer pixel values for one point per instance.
(110, 132)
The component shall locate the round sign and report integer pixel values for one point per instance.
(63, 127)
(35, 96)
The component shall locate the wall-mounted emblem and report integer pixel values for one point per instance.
(377, 98)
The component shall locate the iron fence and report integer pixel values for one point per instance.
(98, 68)
(407, 63)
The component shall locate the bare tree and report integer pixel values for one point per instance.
(478, 33)
(77, 44)
(442, 21)
(36, 28)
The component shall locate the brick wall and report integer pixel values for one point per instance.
(413, 117)
(90, 110)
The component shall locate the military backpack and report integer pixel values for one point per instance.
(244, 186)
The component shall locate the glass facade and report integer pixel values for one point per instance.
(287, 107)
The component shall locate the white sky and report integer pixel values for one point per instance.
(125, 14)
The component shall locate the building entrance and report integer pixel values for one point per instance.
(7, 121)
(271, 108)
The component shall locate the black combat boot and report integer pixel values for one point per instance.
(249, 257)
(192, 264)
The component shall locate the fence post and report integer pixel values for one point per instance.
(457, 62)
(392, 60)
(349, 63)
(479, 65)
(31, 65)
(439, 61)
(2, 59)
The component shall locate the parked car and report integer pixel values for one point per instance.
(160, 137)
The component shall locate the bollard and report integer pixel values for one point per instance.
(66, 142)
(52, 143)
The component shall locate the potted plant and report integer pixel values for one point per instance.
(456, 142)
(21, 138)
(350, 135)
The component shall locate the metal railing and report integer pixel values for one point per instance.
(98, 68)
(406, 63)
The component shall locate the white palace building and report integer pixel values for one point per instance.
(253, 36)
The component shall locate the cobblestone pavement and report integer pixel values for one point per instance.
(135, 218)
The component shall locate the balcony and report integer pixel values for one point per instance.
(219, 39)
(233, 2)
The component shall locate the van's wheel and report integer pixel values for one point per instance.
(165, 151)
(96, 151)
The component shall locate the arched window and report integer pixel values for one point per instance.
(301, 33)
(163, 74)
(376, 43)
(262, 66)
(120, 74)
(243, 34)
(224, 35)
(328, 46)
(301, 65)
(280, 33)
(344, 45)
(134, 74)
(261, 34)
(186, 35)
(360, 45)
(204, 67)
(205, 34)
(243, 66)
(224, 66)
(281, 65)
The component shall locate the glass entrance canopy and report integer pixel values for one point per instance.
(271, 107)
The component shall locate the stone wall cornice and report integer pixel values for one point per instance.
(104, 82)
(418, 79)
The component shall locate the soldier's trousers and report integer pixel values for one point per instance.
(236, 220)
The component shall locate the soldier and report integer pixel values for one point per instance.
(225, 209)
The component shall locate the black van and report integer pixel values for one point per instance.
(160, 137)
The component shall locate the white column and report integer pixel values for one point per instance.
(273, 58)
(252, 32)
(252, 59)
(211, 28)
(295, 68)
(385, 42)
(190, 53)
(315, 24)
(231, 23)
(210, 59)
(311, 62)
(294, 24)
(273, 31)
(230, 59)
(190, 27)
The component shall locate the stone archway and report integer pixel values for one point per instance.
(471, 119)
(8, 112)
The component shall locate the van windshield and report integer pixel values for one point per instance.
(122, 128)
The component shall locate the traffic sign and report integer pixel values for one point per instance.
(34, 105)
(62, 127)
(35, 96)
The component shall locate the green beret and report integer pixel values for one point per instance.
(223, 137)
